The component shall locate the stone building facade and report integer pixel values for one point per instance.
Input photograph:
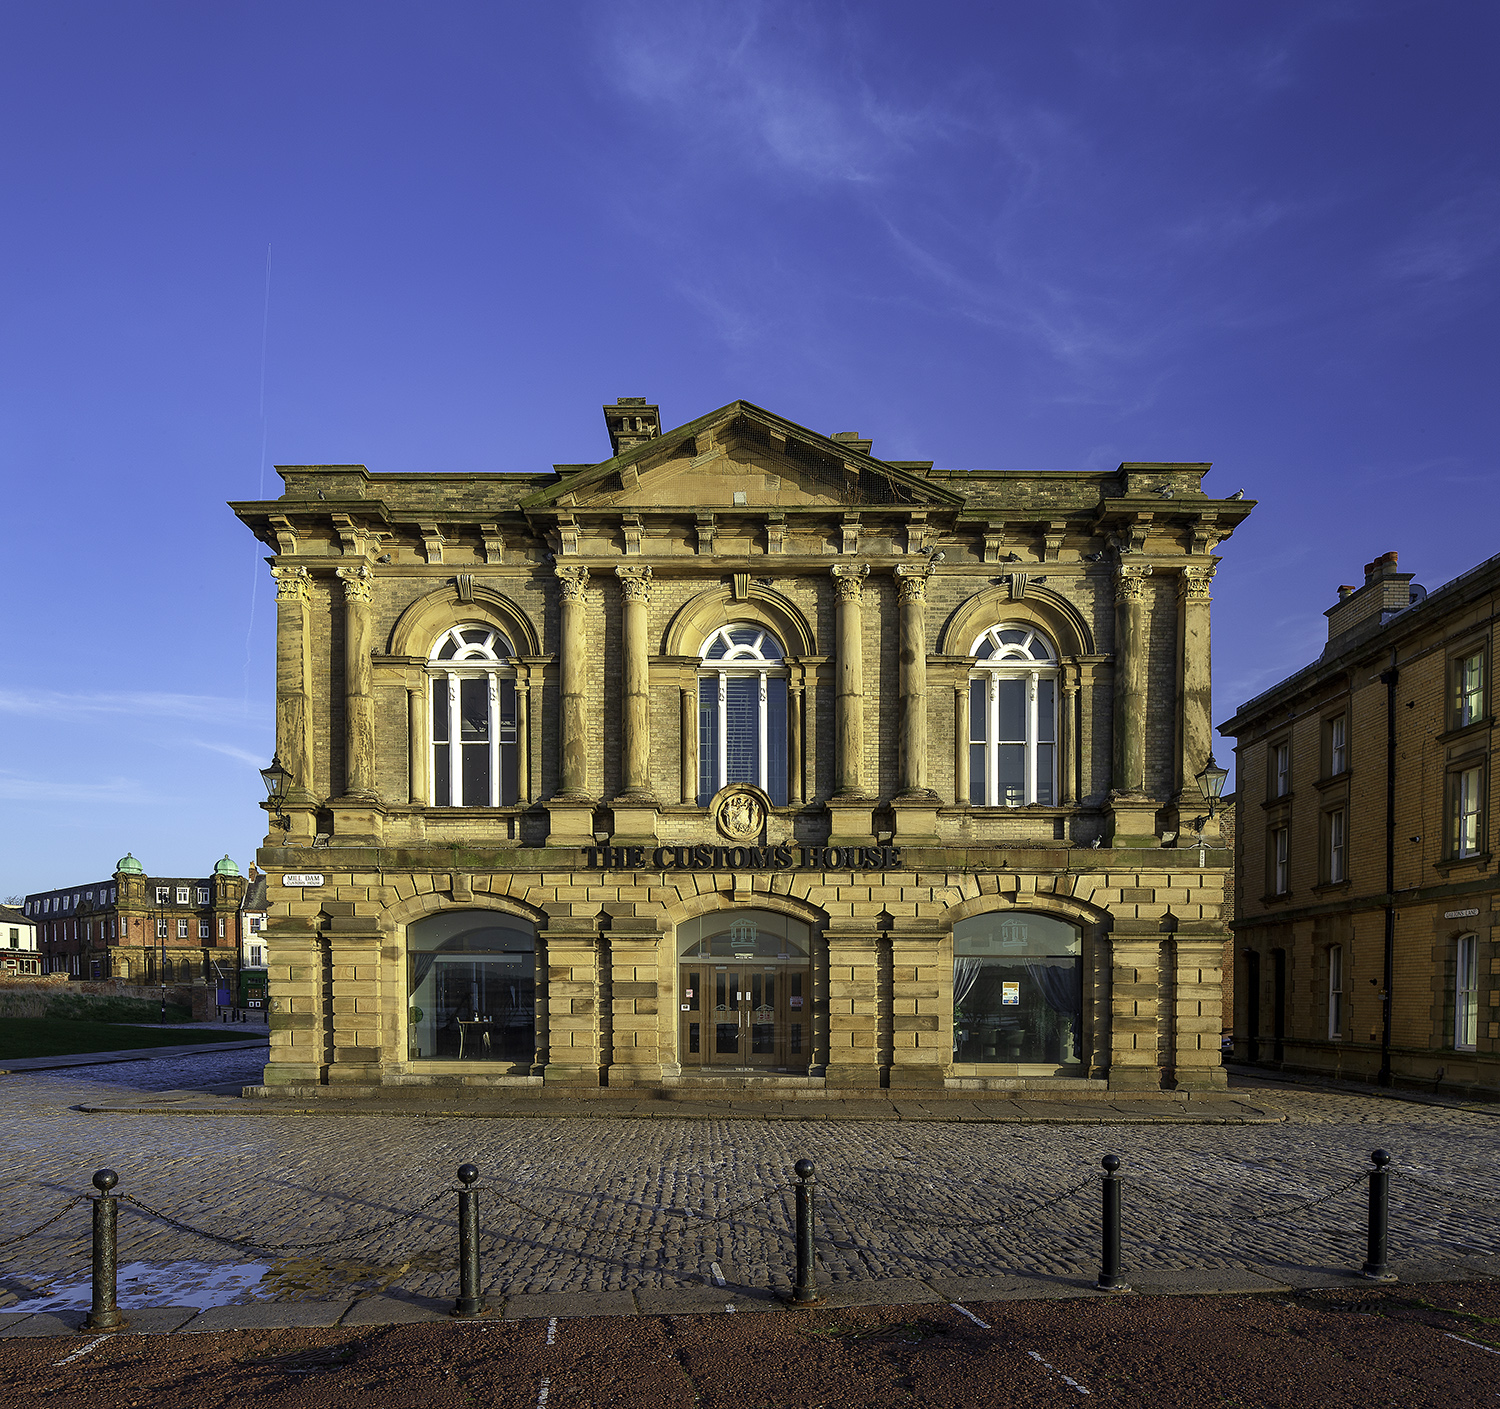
(743, 755)
(1368, 900)
(147, 929)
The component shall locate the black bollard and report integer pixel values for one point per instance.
(805, 1290)
(104, 1315)
(1109, 1262)
(1375, 1267)
(470, 1300)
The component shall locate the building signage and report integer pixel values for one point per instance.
(302, 878)
(1458, 914)
(737, 858)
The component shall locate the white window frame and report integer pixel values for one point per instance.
(1281, 839)
(1283, 768)
(1466, 993)
(1338, 832)
(1031, 660)
(184, 895)
(746, 660)
(255, 956)
(161, 929)
(1468, 812)
(221, 926)
(205, 929)
(182, 929)
(1469, 689)
(1335, 990)
(203, 895)
(488, 660)
(1338, 744)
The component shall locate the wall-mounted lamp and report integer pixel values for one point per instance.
(1211, 784)
(276, 778)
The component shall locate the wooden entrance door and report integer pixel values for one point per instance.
(745, 1015)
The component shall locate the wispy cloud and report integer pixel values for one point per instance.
(57, 704)
(14, 788)
(255, 760)
(1452, 243)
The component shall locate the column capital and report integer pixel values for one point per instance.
(1130, 582)
(1193, 584)
(572, 582)
(292, 583)
(635, 583)
(356, 582)
(911, 582)
(849, 580)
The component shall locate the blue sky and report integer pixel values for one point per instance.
(1002, 235)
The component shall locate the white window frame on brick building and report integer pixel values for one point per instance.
(469, 667)
(1335, 990)
(1466, 993)
(1466, 824)
(742, 704)
(182, 929)
(1281, 768)
(1468, 689)
(184, 895)
(1013, 693)
(1281, 851)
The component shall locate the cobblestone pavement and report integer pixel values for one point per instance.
(591, 1204)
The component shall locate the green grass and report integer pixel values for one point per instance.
(57, 1037)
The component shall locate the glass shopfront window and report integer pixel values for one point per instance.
(471, 985)
(1018, 990)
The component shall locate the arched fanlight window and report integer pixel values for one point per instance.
(742, 686)
(1012, 718)
(472, 689)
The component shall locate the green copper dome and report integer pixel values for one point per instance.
(226, 867)
(130, 866)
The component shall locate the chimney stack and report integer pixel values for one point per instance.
(631, 421)
(1385, 592)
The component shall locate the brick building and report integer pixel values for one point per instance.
(1367, 892)
(743, 754)
(146, 929)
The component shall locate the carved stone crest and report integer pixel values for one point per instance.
(740, 814)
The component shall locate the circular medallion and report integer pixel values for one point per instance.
(740, 815)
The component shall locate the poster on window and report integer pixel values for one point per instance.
(1010, 994)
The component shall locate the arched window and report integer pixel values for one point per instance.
(472, 718)
(471, 987)
(742, 712)
(1013, 718)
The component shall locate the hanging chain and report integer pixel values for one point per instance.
(1010, 1218)
(32, 1232)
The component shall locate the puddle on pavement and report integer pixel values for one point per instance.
(204, 1284)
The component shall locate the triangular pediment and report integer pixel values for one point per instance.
(742, 456)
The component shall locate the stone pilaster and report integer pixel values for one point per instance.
(640, 989)
(294, 729)
(354, 969)
(300, 1050)
(915, 804)
(849, 806)
(1067, 739)
(689, 702)
(1135, 813)
(853, 1008)
(1198, 1011)
(635, 809)
(359, 705)
(1194, 683)
(921, 1009)
(416, 743)
(573, 979)
(961, 782)
(572, 809)
(1135, 1058)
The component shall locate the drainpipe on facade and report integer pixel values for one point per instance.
(1389, 679)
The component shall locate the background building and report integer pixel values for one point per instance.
(251, 992)
(18, 949)
(1367, 893)
(146, 929)
(743, 752)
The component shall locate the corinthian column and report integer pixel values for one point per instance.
(911, 582)
(1194, 693)
(635, 711)
(1130, 680)
(293, 677)
(849, 581)
(359, 705)
(573, 644)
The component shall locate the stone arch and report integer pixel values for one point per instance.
(690, 907)
(1062, 907)
(425, 619)
(418, 907)
(1041, 607)
(710, 609)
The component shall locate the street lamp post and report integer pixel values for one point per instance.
(276, 778)
(1211, 784)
